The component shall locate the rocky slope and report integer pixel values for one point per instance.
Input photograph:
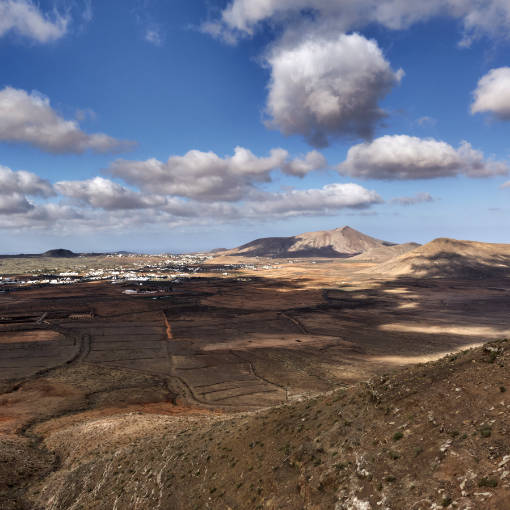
(450, 258)
(430, 436)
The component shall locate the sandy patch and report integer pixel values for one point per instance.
(410, 360)
(447, 330)
(37, 335)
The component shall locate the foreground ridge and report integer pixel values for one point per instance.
(428, 436)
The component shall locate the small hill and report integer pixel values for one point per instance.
(339, 242)
(451, 258)
(59, 253)
(384, 253)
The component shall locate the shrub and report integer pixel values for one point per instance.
(398, 436)
(487, 482)
(486, 431)
(418, 451)
(447, 501)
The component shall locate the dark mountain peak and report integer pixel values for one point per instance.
(59, 253)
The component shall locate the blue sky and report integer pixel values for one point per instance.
(392, 119)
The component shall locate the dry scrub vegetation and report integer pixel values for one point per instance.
(427, 437)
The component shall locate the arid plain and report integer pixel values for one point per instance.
(93, 371)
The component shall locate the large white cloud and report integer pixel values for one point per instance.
(492, 94)
(323, 84)
(14, 203)
(208, 177)
(24, 182)
(401, 157)
(29, 118)
(16, 187)
(26, 19)
(321, 201)
(107, 213)
(478, 17)
(105, 194)
(325, 87)
(195, 189)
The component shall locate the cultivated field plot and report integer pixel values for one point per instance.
(247, 358)
(24, 353)
(138, 345)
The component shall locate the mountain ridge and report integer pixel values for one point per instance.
(342, 242)
(446, 257)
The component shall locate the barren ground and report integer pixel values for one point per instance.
(195, 370)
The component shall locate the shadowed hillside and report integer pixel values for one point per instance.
(452, 259)
(428, 437)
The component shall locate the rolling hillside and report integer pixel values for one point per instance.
(450, 258)
(431, 436)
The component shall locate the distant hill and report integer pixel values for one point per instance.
(451, 258)
(339, 242)
(59, 253)
(384, 253)
(55, 253)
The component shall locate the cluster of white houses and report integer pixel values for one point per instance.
(140, 269)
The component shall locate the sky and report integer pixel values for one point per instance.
(177, 126)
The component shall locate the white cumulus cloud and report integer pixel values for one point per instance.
(492, 94)
(326, 87)
(208, 177)
(105, 194)
(326, 200)
(314, 160)
(29, 118)
(400, 157)
(478, 17)
(24, 182)
(16, 187)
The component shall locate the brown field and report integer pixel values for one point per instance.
(209, 349)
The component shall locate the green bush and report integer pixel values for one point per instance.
(398, 436)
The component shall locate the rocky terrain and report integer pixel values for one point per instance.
(450, 258)
(428, 437)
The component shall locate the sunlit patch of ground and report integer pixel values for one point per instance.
(399, 290)
(36, 335)
(481, 331)
(408, 305)
(409, 360)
